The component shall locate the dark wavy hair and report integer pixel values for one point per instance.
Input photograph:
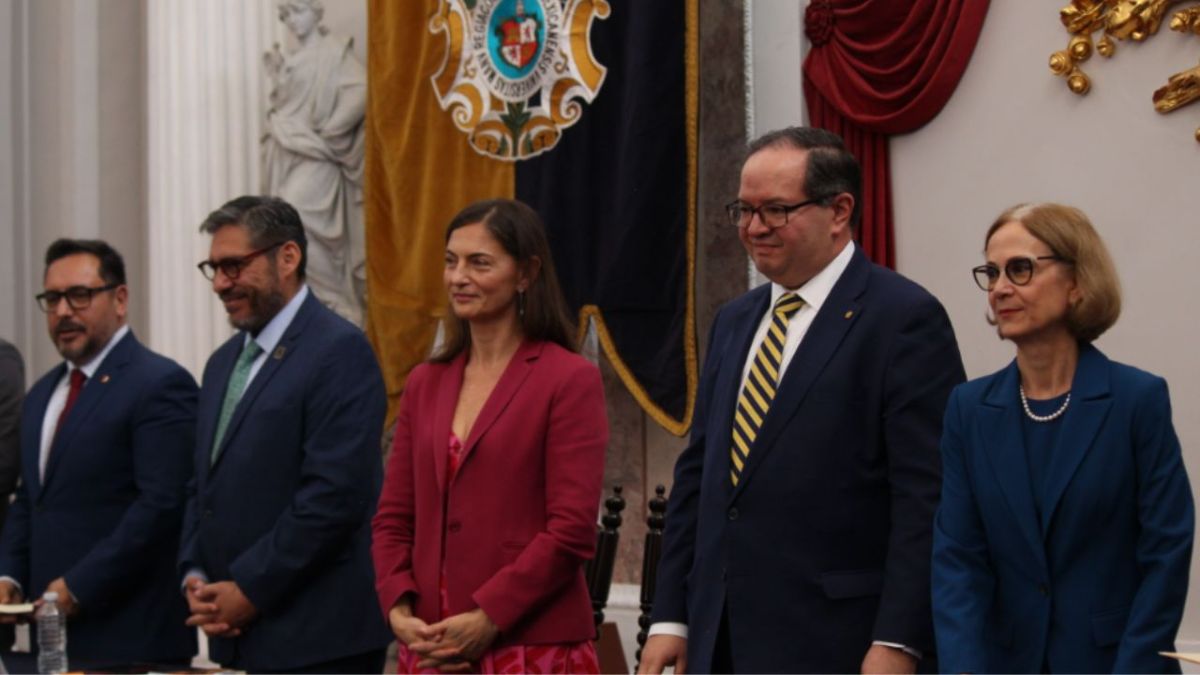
(519, 231)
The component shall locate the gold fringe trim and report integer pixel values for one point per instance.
(679, 427)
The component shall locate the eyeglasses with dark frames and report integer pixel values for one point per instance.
(232, 267)
(1018, 270)
(78, 297)
(773, 216)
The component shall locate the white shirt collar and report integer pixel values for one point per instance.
(93, 365)
(817, 289)
(272, 333)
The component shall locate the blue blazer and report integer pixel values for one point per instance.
(1098, 582)
(824, 544)
(107, 516)
(285, 512)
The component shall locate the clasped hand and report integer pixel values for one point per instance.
(219, 609)
(449, 645)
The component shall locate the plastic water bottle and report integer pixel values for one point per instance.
(51, 636)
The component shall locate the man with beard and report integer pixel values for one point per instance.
(105, 454)
(276, 544)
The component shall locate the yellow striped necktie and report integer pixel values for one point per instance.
(759, 390)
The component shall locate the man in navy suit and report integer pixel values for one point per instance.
(105, 454)
(798, 533)
(276, 544)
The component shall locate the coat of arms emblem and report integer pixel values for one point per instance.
(516, 71)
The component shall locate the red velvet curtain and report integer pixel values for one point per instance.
(883, 67)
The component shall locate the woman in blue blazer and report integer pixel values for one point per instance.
(1064, 534)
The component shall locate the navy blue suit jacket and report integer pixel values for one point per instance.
(1096, 584)
(824, 544)
(107, 516)
(285, 512)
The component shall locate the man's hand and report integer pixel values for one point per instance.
(66, 602)
(662, 651)
(219, 609)
(464, 638)
(10, 595)
(884, 659)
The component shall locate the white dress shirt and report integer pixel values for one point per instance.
(268, 338)
(58, 400)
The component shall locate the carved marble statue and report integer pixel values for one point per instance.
(313, 151)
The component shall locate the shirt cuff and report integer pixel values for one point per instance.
(915, 653)
(194, 572)
(668, 628)
(14, 582)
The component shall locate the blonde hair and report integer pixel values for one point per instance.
(1070, 236)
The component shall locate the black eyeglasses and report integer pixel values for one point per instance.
(773, 216)
(231, 267)
(1018, 270)
(78, 297)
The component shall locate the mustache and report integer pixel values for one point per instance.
(67, 325)
(230, 294)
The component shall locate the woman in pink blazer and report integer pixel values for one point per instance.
(490, 499)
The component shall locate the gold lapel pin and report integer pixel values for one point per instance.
(279, 352)
(104, 378)
(849, 313)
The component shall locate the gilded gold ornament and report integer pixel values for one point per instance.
(1186, 21)
(1060, 63)
(1181, 89)
(1134, 20)
(1080, 48)
(1079, 83)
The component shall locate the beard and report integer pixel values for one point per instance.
(77, 351)
(264, 305)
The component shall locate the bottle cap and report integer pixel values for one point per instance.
(50, 596)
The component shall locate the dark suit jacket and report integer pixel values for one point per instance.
(107, 516)
(1098, 583)
(285, 511)
(824, 544)
(520, 518)
(12, 392)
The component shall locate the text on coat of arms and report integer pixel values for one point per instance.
(516, 71)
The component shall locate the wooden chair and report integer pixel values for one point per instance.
(651, 552)
(599, 569)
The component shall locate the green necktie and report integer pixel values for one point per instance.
(233, 393)
(759, 390)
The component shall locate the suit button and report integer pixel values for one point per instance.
(733, 513)
(1043, 590)
(208, 513)
(454, 526)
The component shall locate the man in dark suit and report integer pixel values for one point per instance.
(105, 455)
(12, 392)
(799, 527)
(276, 546)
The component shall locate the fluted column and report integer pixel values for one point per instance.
(206, 97)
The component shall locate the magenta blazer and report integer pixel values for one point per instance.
(519, 519)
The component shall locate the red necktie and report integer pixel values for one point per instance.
(77, 380)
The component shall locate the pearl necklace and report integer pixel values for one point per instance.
(1044, 418)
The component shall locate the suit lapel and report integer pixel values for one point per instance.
(283, 351)
(448, 388)
(32, 422)
(1004, 445)
(90, 396)
(839, 312)
(514, 376)
(1090, 402)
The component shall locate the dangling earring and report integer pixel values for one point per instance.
(521, 304)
